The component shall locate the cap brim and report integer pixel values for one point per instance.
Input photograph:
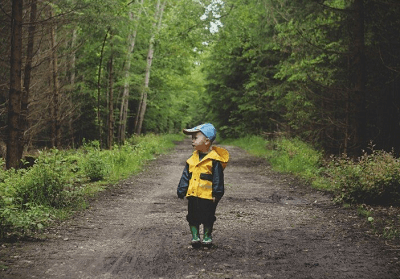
(190, 131)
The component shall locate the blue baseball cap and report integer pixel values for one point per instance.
(207, 129)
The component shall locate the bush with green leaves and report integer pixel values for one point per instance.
(27, 196)
(95, 167)
(44, 182)
(372, 179)
(31, 218)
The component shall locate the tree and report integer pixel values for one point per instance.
(125, 95)
(66, 88)
(14, 142)
(322, 70)
(55, 109)
(144, 92)
(24, 124)
(99, 77)
(110, 118)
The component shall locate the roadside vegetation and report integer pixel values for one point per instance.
(61, 181)
(370, 183)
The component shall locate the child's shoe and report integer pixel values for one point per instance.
(207, 238)
(195, 236)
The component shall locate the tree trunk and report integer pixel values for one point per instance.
(360, 140)
(143, 99)
(110, 122)
(14, 143)
(125, 95)
(24, 124)
(56, 125)
(98, 85)
(73, 58)
(72, 81)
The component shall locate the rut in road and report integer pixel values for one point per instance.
(268, 226)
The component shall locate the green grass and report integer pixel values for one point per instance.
(255, 145)
(285, 155)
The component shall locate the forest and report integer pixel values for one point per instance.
(318, 78)
(324, 71)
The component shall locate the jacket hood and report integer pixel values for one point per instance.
(217, 153)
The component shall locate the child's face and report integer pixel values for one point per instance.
(200, 142)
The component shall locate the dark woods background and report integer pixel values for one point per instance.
(325, 71)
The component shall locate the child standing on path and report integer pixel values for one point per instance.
(202, 181)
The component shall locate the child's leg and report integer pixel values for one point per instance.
(193, 218)
(208, 208)
(194, 212)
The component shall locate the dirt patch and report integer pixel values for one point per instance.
(268, 226)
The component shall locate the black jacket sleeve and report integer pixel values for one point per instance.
(184, 182)
(218, 180)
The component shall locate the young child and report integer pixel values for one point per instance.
(202, 181)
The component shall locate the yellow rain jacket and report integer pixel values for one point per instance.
(204, 178)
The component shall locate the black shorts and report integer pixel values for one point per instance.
(201, 211)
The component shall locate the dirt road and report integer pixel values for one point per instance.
(267, 227)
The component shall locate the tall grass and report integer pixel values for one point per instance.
(255, 145)
(61, 181)
(285, 155)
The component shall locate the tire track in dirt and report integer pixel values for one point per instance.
(268, 226)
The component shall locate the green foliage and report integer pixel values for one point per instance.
(43, 183)
(285, 155)
(59, 181)
(255, 145)
(29, 219)
(373, 179)
(94, 166)
(297, 157)
(240, 66)
(290, 66)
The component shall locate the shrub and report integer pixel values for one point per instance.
(43, 183)
(373, 179)
(94, 166)
(32, 218)
(93, 163)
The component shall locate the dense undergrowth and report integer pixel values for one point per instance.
(61, 181)
(371, 184)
